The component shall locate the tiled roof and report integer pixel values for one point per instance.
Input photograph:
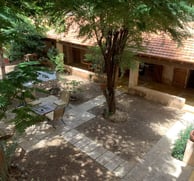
(162, 46)
(156, 46)
(71, 36)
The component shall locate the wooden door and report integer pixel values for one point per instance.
(157, 73)
(180, 77)
(76, 55)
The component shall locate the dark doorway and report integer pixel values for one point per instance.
(76, 55)
(151, 72)
(157, 73)
(190, 83)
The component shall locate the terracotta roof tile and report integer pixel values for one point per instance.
(71, 36)
(161, 46)
(156, 46)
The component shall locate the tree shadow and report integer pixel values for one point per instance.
(146, 122)
(59, 160)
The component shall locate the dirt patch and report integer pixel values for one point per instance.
(86, 92)
(59, 161)
(82, 92)
(143, 124)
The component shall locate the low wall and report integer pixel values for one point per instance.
(153, 95)
(80, 72)
(84, 73)
(160, 97)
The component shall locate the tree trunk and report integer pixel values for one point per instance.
(2, 64)
(109, 94)
(3, 165)
(114, 47)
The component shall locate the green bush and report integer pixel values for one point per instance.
(95, 57)
(28, 40)
(180, 144)
(56, 59)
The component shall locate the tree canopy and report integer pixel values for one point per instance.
(119, 24)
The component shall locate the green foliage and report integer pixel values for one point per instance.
(24, 118)
(26, 39)
(57, 59)
(94, 56)
(127, 59)
(180, 144)
(8, 148)
(118, 23)
(6, 21)
(72, 86)
(12, 90)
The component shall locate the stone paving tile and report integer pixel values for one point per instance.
(159, 176)
(71, 123)
(69, 135)
(90, 147)
(114, 163)
(86, 116)
(71, 115)
(28, 145)
(105, 158)
(124, 169)
(118, 92)
(128, 179)
(65, 129)
(97, 152)
(41, 134)
(99, 100)
(138, 172)
(89, 105)
(83, 142)
(69, 107)
(79, 119)
(76, 138)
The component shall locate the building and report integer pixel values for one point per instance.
(162, 60)
(170, 63)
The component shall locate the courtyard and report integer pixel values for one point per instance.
(85, 146)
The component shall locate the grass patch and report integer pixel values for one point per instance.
(180, 144)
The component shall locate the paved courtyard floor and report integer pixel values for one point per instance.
(157, 164)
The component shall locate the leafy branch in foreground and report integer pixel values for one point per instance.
(13, 93)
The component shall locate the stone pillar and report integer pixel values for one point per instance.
(133, 75)
(59, 47)
(167, 74)
(69, 55)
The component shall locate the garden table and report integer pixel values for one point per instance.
(52, 107)
(44, 109)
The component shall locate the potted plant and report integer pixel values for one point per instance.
(189, 150)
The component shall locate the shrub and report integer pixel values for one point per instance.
(95, 57)
(26, 39)
(180, 144)
(56, 59)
